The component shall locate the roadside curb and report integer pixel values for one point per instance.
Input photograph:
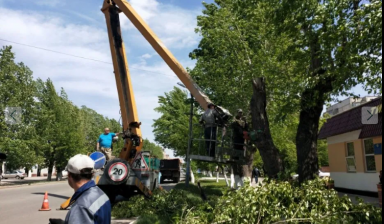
(31, 184)
(124, 221)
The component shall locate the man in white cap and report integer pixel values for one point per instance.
(89, 204)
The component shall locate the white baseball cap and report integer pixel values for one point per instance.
(79, 162)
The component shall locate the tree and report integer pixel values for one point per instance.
(172, 128)
(52, 128)
(273, 164)
(230, 57)
(58, 127)
(156, 151)
(17, 89)
(307, 51)
(338, 45)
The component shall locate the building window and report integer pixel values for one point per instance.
(356, 104)
(336, 111)
(369, 151)
(351, 162)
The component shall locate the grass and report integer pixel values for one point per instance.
(211, 188)
(165, 206)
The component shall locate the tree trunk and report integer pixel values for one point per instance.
(312, 103)
(249, 158)
(260, 123)
(225, 175)
(38, 171)
(232, 178)
(192, 177)
(50, 171)
(59, 174)
(27, 171)
(1, 167)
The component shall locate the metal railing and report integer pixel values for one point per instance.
(217, 145)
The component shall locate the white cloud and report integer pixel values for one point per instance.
(174, 25)
(86, 82)
(51, 3)
(146, 56)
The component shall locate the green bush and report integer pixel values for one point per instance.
(163, 207)
(287, 203)
(281, 202)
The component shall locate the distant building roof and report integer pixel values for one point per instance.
(351, 121)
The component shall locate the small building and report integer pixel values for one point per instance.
(348, 104)
(355, 148)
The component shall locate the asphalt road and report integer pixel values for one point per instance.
(19, 205)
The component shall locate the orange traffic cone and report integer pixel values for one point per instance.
(45, 206)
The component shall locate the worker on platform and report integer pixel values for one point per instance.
(209, 120)
(239, 126)
(89, 204)
(105, 143)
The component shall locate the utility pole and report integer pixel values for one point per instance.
(188, 175)
(189, 143)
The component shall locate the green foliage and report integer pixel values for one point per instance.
(156, 151)
(172, 128)
(298, 47)
(284, 137)
(53, 129)
(17, 89)
(273, 203)
(166, 206)
(285, 203)
(323, 145)
(211, 189)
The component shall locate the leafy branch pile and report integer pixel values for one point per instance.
(273, 203)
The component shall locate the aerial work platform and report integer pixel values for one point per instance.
(225, 150)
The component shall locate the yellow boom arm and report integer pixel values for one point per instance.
(111, 10)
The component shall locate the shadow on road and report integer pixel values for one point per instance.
(19, 182)
(53, 195)
(168, 186)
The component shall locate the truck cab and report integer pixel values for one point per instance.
(170, 170)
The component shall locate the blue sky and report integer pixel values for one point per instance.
(78, 28)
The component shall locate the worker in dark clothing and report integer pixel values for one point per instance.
(209, 120)
(256, 174)
(239, 126)
(89, 204)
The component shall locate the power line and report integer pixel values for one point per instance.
(57, 52)
(80, 57)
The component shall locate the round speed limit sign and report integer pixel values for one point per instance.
(118, 172)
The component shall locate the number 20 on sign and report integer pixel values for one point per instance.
(118, 172)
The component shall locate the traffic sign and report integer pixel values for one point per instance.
(99, 159)
(118, 172)
(139, 163)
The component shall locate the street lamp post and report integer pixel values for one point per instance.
(188, 176)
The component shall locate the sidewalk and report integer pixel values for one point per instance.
(7, 183)
(124, 221)
(369, 200)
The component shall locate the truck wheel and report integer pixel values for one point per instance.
(176, 180)
(117, 172)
